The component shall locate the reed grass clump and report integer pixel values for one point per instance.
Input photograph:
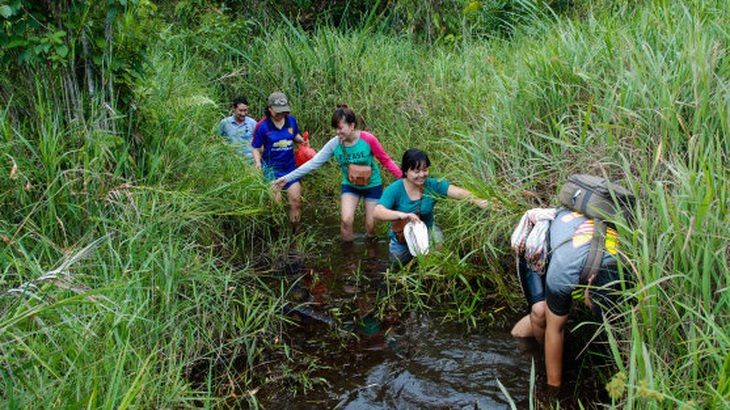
(127, 274)
(164, 301)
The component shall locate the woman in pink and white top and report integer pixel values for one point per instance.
(351, 146)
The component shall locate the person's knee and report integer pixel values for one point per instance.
(523, 328)
(295, 201)
(347, 221)
(369, 223)
(537, 312)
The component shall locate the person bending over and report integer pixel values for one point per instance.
(549, 296)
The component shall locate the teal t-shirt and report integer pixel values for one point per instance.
(360, 154)
(396, 198)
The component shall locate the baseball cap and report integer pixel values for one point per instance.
(278, 102)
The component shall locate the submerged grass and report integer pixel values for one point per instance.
(163, 310)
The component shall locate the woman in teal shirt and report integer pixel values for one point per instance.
(351, 146)
(413, 197)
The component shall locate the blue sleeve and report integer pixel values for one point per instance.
(294, 125)
(317, 161)
(258, 135)
(222, 128)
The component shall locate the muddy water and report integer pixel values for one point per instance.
(369, 359)
(425, 364)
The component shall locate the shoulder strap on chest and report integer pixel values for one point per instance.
(595, 255)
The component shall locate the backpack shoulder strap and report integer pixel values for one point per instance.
(595, 256)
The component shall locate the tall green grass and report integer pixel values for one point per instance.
(127, 259)
(635, 91)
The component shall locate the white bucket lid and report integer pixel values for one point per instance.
(416, 234)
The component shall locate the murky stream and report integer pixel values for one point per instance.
(426, 364)
(401, 360)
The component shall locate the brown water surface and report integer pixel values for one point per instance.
(372, 359)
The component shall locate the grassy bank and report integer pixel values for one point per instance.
(168, 222)
(127, 258)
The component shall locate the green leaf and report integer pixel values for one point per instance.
(41, 48)
(25, 56)
(57, 37)
(62, 50)
(472, 7)
(6, 11)
(16, 42)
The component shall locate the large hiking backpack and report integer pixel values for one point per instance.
(599, 199)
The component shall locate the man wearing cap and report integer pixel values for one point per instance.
(273, 150)
(238, 128)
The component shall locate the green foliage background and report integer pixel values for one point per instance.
(129, 233)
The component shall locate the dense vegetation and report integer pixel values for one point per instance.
(131, 236)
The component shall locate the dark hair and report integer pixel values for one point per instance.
(239, 100)
(414, 159)
(343, 112)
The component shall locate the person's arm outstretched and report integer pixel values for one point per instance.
(456, 192)
(317, 161)
(384, 214)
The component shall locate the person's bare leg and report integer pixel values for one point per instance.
(348, 203)
(370, 218)
(277, 195)
(554, 338)
(294, 194)
(523, 328)
(537, 319)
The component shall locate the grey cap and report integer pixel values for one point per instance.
(278, 102)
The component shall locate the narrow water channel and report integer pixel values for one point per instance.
(426, 364)
(401, 360)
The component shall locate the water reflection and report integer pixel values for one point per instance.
(342, 288)
(435, 366)
(396, 360)
(418, 363)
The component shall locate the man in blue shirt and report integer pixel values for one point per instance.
(238, 128)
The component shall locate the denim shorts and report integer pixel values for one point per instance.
(370, 194)
(272, 175)
(533, 284)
